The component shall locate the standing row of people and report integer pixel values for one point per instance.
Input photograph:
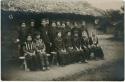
(72, 43)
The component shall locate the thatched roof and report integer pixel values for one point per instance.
(81, 7)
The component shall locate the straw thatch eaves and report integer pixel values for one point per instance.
(81, 7)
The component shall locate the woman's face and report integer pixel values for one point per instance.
(59, 34)
(75, 24)
(58, 23)
(76, 34)
(38, 36)
(47, 21)
(53, 24)
(93, 34)
(68, 23)
(83, 33)
(63, 25)
(29, 38)
(69, 34)
(23, 25)
(83, 23)
(32, 24)
(43, 23)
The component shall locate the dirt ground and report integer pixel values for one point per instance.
(111, 68)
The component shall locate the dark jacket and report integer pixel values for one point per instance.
(44, 34)
(83, 28)
(68, 41)
(76, 42)
(92, 41)
(59, 43)
(22, 34)
(84, 42)
(76, 30)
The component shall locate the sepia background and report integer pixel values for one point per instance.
(110, 30)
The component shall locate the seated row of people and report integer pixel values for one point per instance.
(70, 42)
(35, 54)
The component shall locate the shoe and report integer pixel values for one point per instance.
(27, 69)
(47, 68)
(61, 65)
(80, 62)
(96, 59)
(102, 58)
(44, 69)
(85, 61)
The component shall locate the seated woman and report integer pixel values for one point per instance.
(41, 54)
(60, 48)
(95, 47)
(29, 53)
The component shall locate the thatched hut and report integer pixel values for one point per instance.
(14, 11)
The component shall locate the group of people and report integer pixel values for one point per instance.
(56, 42)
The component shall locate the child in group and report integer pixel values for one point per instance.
(41, 54)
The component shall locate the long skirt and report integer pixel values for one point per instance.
(78, 56)
(42, 60)
(70, 56)
(98, 52)
(62, 57)
(31, 62)
(86, 53)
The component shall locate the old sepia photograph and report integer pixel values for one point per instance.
(62, 40)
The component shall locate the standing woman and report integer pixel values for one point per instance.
(22, 34)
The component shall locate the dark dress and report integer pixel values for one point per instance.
(95, 48)
(33, 31)
(22, 34)
(83, 28)
(84, 45)
(78, 55)
(76, 30)
(59, 44)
